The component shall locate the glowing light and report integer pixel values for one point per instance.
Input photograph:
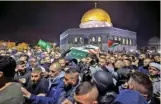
(131, 50)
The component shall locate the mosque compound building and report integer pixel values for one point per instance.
(96, 29)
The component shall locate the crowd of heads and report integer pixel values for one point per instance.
(103, 78)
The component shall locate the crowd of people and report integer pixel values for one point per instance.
(37, 76)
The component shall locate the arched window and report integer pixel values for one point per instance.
(119, 38)
(93, 39)
(127, 41)
(123, 41)
(99, 39)
(115, 38)
(130, 42)
(81, 40)
(75, 39)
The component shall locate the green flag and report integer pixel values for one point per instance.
(44, 45)
(78, 53)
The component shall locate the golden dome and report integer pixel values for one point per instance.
(96, 14)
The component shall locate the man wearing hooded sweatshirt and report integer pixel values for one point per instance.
(56, 87)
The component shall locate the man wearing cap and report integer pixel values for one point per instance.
(154, 71)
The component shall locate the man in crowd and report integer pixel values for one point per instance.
(141, 59)
(33, 64)
(144, 68)
(10, 92)
(46, 63)
(37, 84)
(127, 63)
(71, 81)
(86, 93)
(21, 74)
(154, 71)
(112, 60)
(103, 63)
(140, 82)
(106, 86)
(92, 61)
(62, 62)
(157, 58)
(56, 87)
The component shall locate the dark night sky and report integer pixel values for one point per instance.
(29, 21)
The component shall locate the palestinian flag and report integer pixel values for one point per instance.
(81, 52)
(112, 43)
(92, 49)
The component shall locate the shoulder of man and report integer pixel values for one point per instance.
(14, 100)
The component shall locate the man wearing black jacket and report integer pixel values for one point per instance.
(21, 74)
(37, 84)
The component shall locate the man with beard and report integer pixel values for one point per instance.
(154, 71)
(62, 62)
(128, 64)
(144, 68)
(71, 81)
(102, 62)
(92, 62)
(157, 58)
(104, 66)
(112, 61)
(21, 74)
(141, 58)
(37, 84)
(46, 64)
(56, 87)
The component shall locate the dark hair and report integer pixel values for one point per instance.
(71, 70)
(84, 88)
(7, 66)
(94, 58)
(27, 57)
(20, 62)
(144, 81)
(73, 73)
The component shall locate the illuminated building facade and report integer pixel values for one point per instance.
(96, 29)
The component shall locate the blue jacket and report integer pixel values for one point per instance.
(130, 97)
(56, 87)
